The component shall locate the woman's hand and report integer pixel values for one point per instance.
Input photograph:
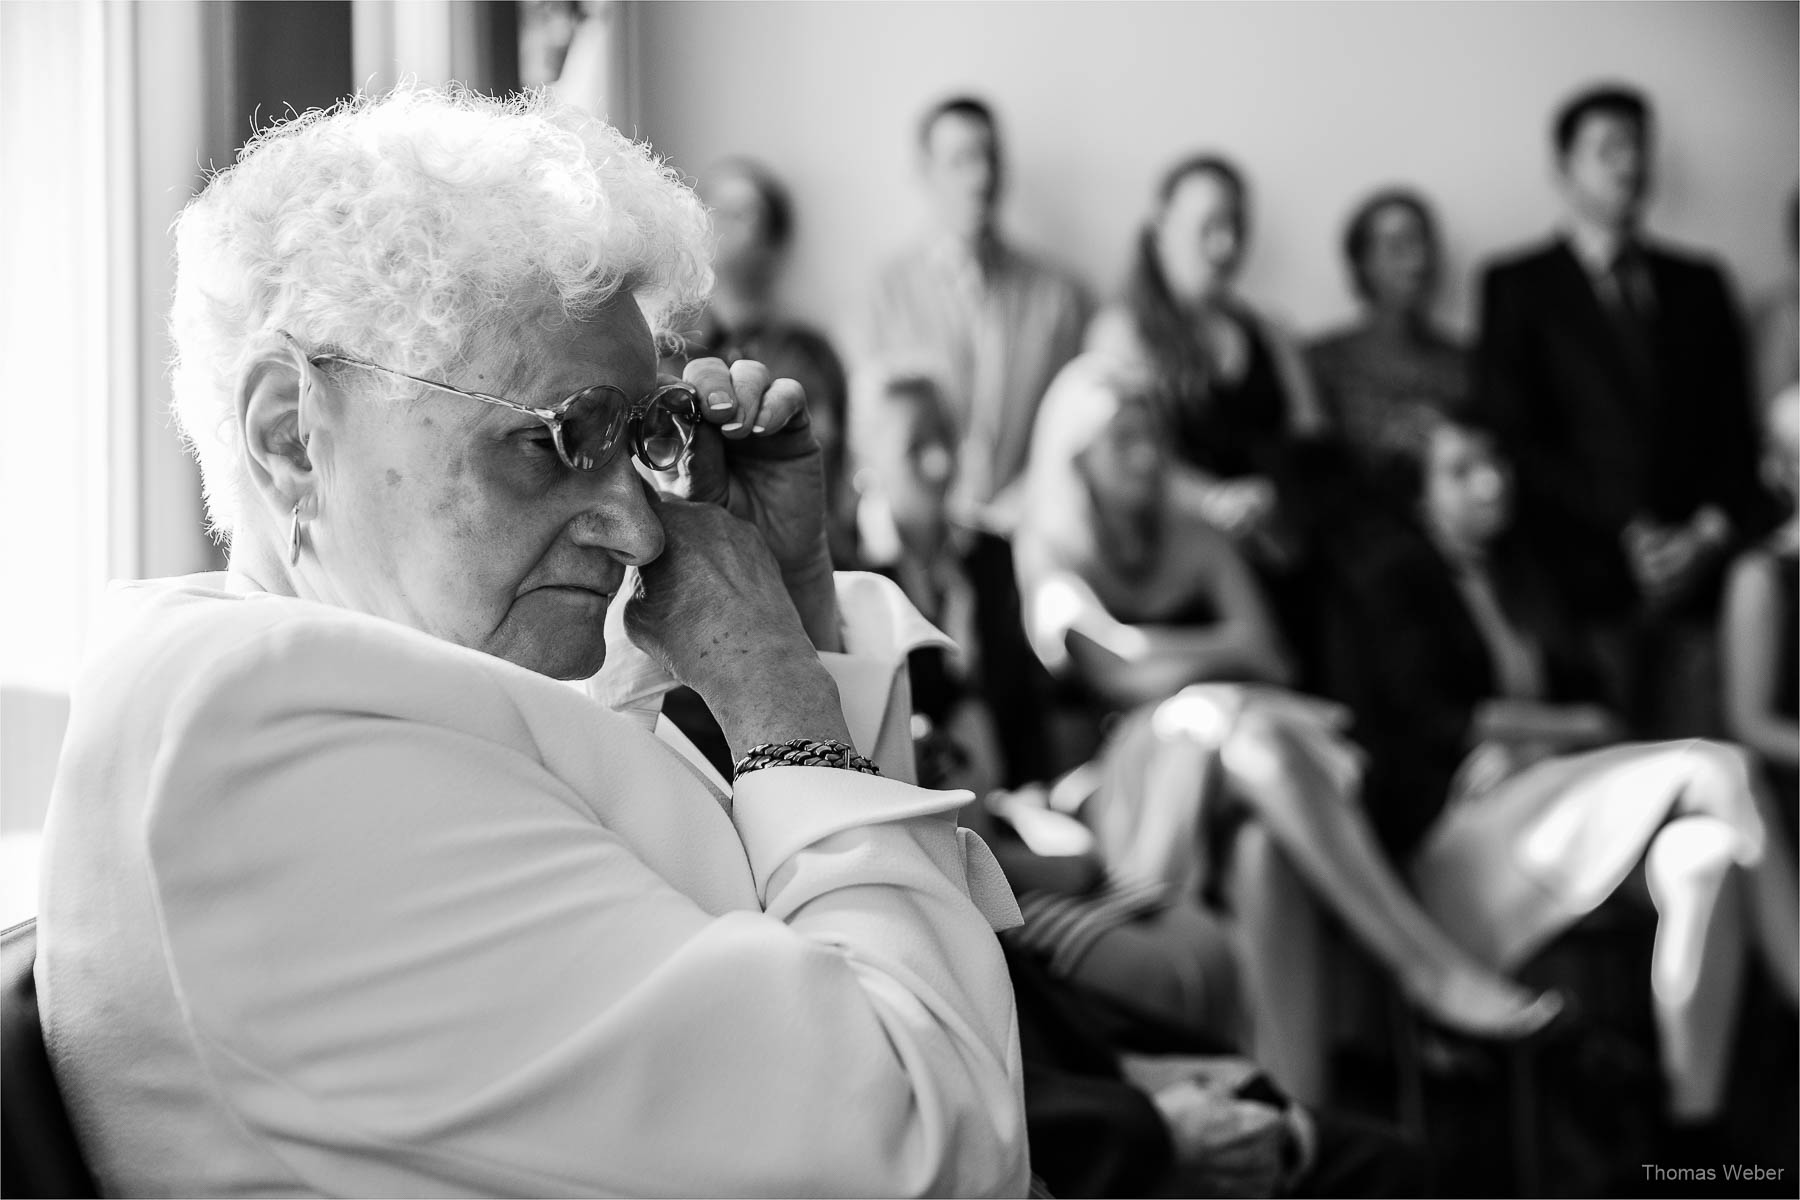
(714, 612)
(1239, 508)
(1236, 1147)
(1533, 722)
(755, 455)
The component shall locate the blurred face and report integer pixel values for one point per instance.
(1399, 262)
(1468, 486)
(457, 517)
(962, 173)
(1200, 237)
(741, 221)
(910, 455)
(1606, 173)
(1126, 464)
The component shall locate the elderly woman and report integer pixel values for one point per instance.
(346, 894)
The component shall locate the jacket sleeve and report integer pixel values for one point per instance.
(416, 962)
(1732, 418)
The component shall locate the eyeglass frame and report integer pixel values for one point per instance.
(554, 415)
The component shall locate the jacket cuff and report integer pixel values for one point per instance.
(780, 811)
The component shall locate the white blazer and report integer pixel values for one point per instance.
(332, 907)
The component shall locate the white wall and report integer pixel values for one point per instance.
(1320, 102)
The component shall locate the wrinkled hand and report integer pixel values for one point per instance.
(1225, 1146)
(755, 455)
(712, 610)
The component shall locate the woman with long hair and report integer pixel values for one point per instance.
(1235, 387)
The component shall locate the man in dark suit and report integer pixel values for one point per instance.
(1617, 371)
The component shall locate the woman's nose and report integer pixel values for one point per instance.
(620, 515)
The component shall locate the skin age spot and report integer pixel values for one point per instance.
(393, 477)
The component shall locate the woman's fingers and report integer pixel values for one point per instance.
(743, 399)
(782, 403)
(749, 380)
(718, 394)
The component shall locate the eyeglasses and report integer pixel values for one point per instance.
(589, 426)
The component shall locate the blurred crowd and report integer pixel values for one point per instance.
(1252, 636)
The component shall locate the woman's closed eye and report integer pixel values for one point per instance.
(534, 447)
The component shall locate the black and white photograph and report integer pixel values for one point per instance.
(1017, 598)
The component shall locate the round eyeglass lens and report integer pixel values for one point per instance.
(593, 425)
(666, 428)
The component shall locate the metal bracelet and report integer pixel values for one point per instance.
(802, 752)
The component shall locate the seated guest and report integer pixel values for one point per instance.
(1093, 965)
(1236, 387)
(1106, 1123)
(1155, 612)
(980, 725)
(1498, 775)
(346, 893)
(988, 696)
(1615, 368)
(1777, 329)
(992, 322)
(1761, 659)
(753, 217)
(1396, 355)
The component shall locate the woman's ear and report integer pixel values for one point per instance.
(271, 411)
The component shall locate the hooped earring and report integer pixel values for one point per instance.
(294, 537)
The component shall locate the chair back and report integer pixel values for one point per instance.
(38, 1152)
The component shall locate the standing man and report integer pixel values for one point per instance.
(991, 323)
(1617, 368)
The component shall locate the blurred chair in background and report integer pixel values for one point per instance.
(40, 1156)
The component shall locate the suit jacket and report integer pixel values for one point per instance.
(1413, 667)
(333, 907)
(1601, 434)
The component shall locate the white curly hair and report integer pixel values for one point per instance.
(398, 228)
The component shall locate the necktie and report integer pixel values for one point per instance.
(1631, 290)
(1630, 303)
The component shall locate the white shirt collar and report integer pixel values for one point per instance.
(1595, 246)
